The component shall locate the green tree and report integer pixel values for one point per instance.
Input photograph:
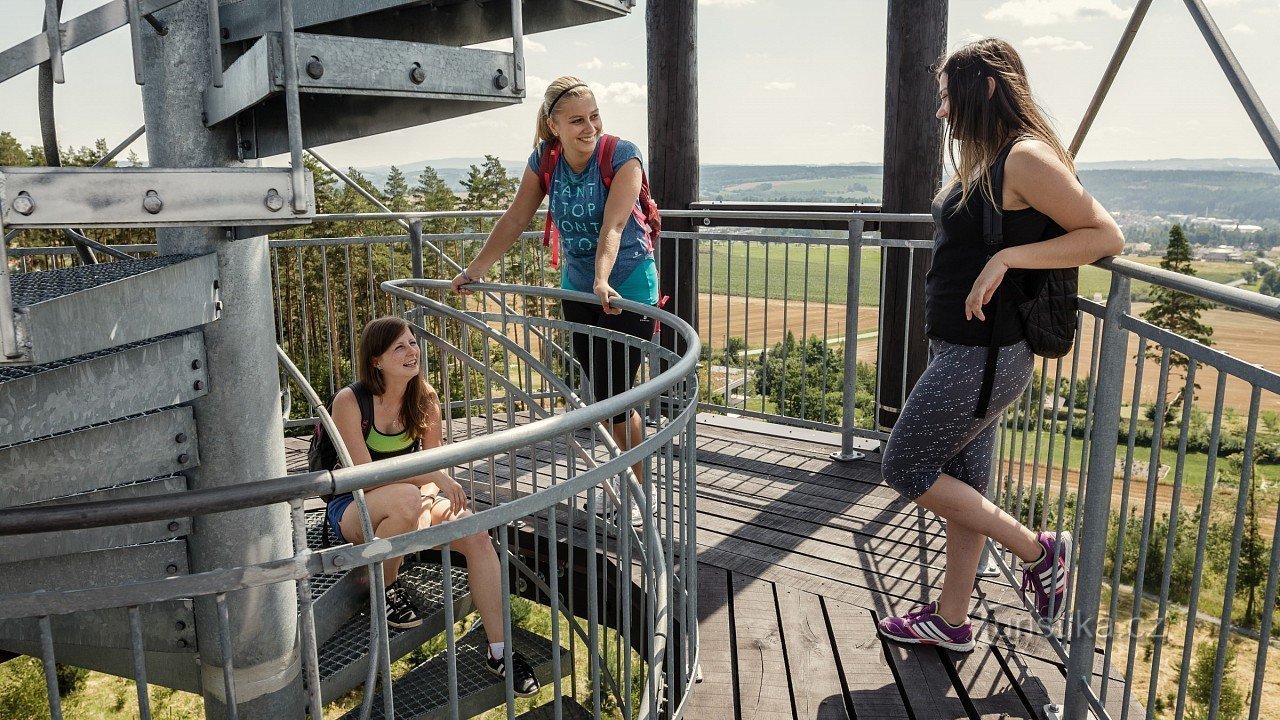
(1270, 283)
(1254, 550)
(1230, 700)
(488, 186)
(433, 194)
(1176, 311)
(11, 152)
(396, 192)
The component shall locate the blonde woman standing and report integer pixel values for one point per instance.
(605, 244)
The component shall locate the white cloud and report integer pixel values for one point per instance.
(1054, 43)
(619, 93)
(727, 3)
(779, 85)
(1049, 12)
(530, 46)
(1242, 29)
(619, 65)
(594, 63)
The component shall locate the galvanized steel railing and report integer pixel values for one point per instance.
(1055, 443)
(535, 478)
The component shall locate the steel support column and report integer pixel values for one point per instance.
(239, 420)
(672, 28)
(1113, 353)
(917, 36)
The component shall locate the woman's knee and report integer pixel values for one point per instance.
(401, 502)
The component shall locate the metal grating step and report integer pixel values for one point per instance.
(444, 22)
(423, 693)
(366, 77)
(111, 454)
(78, 392)
(36, 287)
(72, 312)
(344, 657)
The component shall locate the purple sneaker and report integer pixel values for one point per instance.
(1049, 577)
(924, 626)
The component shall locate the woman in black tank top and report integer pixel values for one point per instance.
(939, 453)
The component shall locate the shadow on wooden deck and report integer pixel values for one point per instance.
(798, 557)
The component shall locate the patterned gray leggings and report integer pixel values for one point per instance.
(937, 432)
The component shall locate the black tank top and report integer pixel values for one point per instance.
(959, 254)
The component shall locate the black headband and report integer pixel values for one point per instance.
(552, 106)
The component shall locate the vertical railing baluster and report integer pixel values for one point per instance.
(215, 44)
(850, 390)
(47, 658)
(139, 662)
(1097, 502)
(228, 667)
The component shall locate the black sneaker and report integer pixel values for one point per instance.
(524, 681)
(400, 610)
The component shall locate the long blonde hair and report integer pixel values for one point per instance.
(543, 133)
(978, 127)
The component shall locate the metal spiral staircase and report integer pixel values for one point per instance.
(100, 364)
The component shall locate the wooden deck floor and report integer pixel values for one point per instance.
(799, 556)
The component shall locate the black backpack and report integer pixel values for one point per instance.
(1047, 303)
(322, 454)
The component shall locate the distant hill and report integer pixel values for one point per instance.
(1245, 189)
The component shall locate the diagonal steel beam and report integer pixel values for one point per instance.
(1262, 121)
(1108, 77)
(74, 32)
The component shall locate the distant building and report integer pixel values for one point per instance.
(1222, 253)
(1140, 248)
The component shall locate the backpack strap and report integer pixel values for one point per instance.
(364, 399)
(551, 152)
(992, 238)
(604, 158)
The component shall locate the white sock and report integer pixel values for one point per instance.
(496, 649)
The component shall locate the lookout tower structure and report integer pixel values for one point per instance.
(146, 378)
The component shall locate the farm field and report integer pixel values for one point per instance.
(779, 271)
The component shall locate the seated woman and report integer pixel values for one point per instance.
(405, 419)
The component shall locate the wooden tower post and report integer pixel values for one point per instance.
(917, 36)
(672, 31)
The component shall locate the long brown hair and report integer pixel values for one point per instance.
(563, 84)
(421, 406)
(979, 126)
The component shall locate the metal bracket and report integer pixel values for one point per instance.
(852, 455)
(150, 197)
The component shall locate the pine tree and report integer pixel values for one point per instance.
(488, 187)
(1177, 311)
(396, 192)
(1230, 701)
(432, 194)
(11, 152)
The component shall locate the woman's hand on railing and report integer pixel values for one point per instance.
(607, 295)
(462, 279)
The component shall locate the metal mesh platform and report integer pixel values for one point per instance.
(344, 657)
(36, 287)
(17, 372)
(424, 691)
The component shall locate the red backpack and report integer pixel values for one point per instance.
(648, 218)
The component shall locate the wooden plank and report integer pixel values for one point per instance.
(816, 681)
(930, 692)
(763, 685)
(714, 695)
(989, 689)
(872, 688)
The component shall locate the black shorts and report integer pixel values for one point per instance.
(610, 365)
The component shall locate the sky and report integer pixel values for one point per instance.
(780, 81)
